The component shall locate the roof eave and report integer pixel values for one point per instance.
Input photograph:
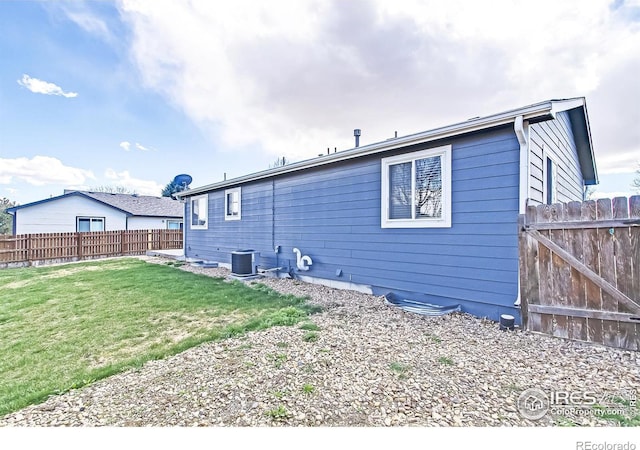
(68, 194)
(532, 113)
(156, 216)
(584, 145)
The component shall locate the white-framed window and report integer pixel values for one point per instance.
(84, 224)
(416, 189)
(551, 181)
(174, 224)
(232, 204)
(199, 212)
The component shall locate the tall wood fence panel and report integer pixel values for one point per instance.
(580, 271)
(31, 248)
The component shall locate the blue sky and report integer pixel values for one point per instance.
(132, 93)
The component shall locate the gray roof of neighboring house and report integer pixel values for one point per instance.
(131, 204)
(141, 205)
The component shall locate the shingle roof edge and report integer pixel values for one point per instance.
(536, 112)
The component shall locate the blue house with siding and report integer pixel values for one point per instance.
(431, 217)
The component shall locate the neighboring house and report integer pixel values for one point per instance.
(96, 211)
(430, 217)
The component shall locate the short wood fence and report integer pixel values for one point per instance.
(580, 271)
(31, 248)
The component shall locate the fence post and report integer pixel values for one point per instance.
(523, 271)
(78, 236)
(29, 249)
(123, 250)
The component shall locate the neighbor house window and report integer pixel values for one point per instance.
(232, 204)
(552, 181)
(89, 224)
(416, 189)
(199, 212)
(174, 224)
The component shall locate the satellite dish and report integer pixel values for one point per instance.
(182, 181)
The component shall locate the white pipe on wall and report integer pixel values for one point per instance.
(521, 129)
(302, 262)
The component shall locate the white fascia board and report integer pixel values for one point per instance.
(528, 112)
(565, 105)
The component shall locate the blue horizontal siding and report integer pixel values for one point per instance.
(395, 252)
(443, 238)
(459, 229)
(505, 181)
(332, 214)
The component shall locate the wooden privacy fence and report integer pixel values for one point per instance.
(580, 271)
(29, 248)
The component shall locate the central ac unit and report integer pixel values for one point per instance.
(243, 263)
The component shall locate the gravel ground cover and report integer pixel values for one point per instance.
(359, 362)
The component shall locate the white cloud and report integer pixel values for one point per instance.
(618, 162)
(89, 18)
(126, 146)
(41, 170)
(143, 148)
(89, 23)
(43, 87)
(598, 194)
(124, 178)
(77, 187)
(295, 78)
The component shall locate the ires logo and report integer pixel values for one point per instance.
(586, 398)
(535, 403)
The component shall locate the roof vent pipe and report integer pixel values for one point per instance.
(356, 133)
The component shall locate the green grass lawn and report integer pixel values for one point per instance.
(63, 327)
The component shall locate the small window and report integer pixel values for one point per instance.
(232, 204)
(85, 224)
(416, 189)
(199, 212)
(552, 182)
(174, 224)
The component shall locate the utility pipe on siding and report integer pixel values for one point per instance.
(184, 228)
(303, 262)
(521, 129)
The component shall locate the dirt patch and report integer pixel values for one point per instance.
(169, 326)
(62, 273)
(18, 284)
